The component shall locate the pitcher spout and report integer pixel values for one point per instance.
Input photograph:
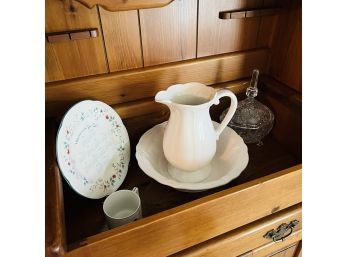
(163, 97)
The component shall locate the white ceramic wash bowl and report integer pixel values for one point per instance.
(230, 160)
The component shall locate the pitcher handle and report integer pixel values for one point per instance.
(135, 190)
(231, 111)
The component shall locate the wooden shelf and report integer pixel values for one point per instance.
(79, 222)
(84, 217)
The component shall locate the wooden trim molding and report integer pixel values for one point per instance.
(131, 85)
(55, 244)
(148, 105)
(241, 240)
(121, 5)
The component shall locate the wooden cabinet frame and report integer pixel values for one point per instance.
(269, 188)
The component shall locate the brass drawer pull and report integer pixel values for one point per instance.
(240, 14)
(282, 232)
(71, 35)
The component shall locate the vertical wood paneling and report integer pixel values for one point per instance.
(216, 36)
(267, 26)
(169, 33)
(286, 64)
(76, 58)
(126, 86)
(122, 39)
(288, 126)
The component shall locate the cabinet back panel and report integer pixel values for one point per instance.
(122, 39)
(286, 64)
(142, 83)
(216, 36)
(71, 59)
(267, 26)
(169, 33)
(179, 31)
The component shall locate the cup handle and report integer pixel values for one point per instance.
(234, 102)
(135, 190)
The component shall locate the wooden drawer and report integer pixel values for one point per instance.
(283, 249)
(249, 240)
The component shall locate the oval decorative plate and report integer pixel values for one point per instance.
(93, 149)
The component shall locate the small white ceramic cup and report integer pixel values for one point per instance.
(122, 207)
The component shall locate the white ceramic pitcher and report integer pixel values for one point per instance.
(189, 141)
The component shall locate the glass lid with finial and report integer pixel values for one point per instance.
(252, 119)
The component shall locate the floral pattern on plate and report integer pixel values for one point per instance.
(93, 149)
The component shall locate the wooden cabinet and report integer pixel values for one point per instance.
(176, 221)
(243, 210)
(73, 58)
(132, 39)
(147, 50)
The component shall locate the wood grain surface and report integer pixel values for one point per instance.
(243, 239)
(216, 36)
(298, 252)
(169, 33)
(286, 248)
(74, 58)
(148, 105)
(174, 221)
(286, 104)
(122, 5)
(267, 26)
(287, 252)
(55, 236)
(263, 161)
(122, 39)
(286, 64)
(198, 221)
(143, 83)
